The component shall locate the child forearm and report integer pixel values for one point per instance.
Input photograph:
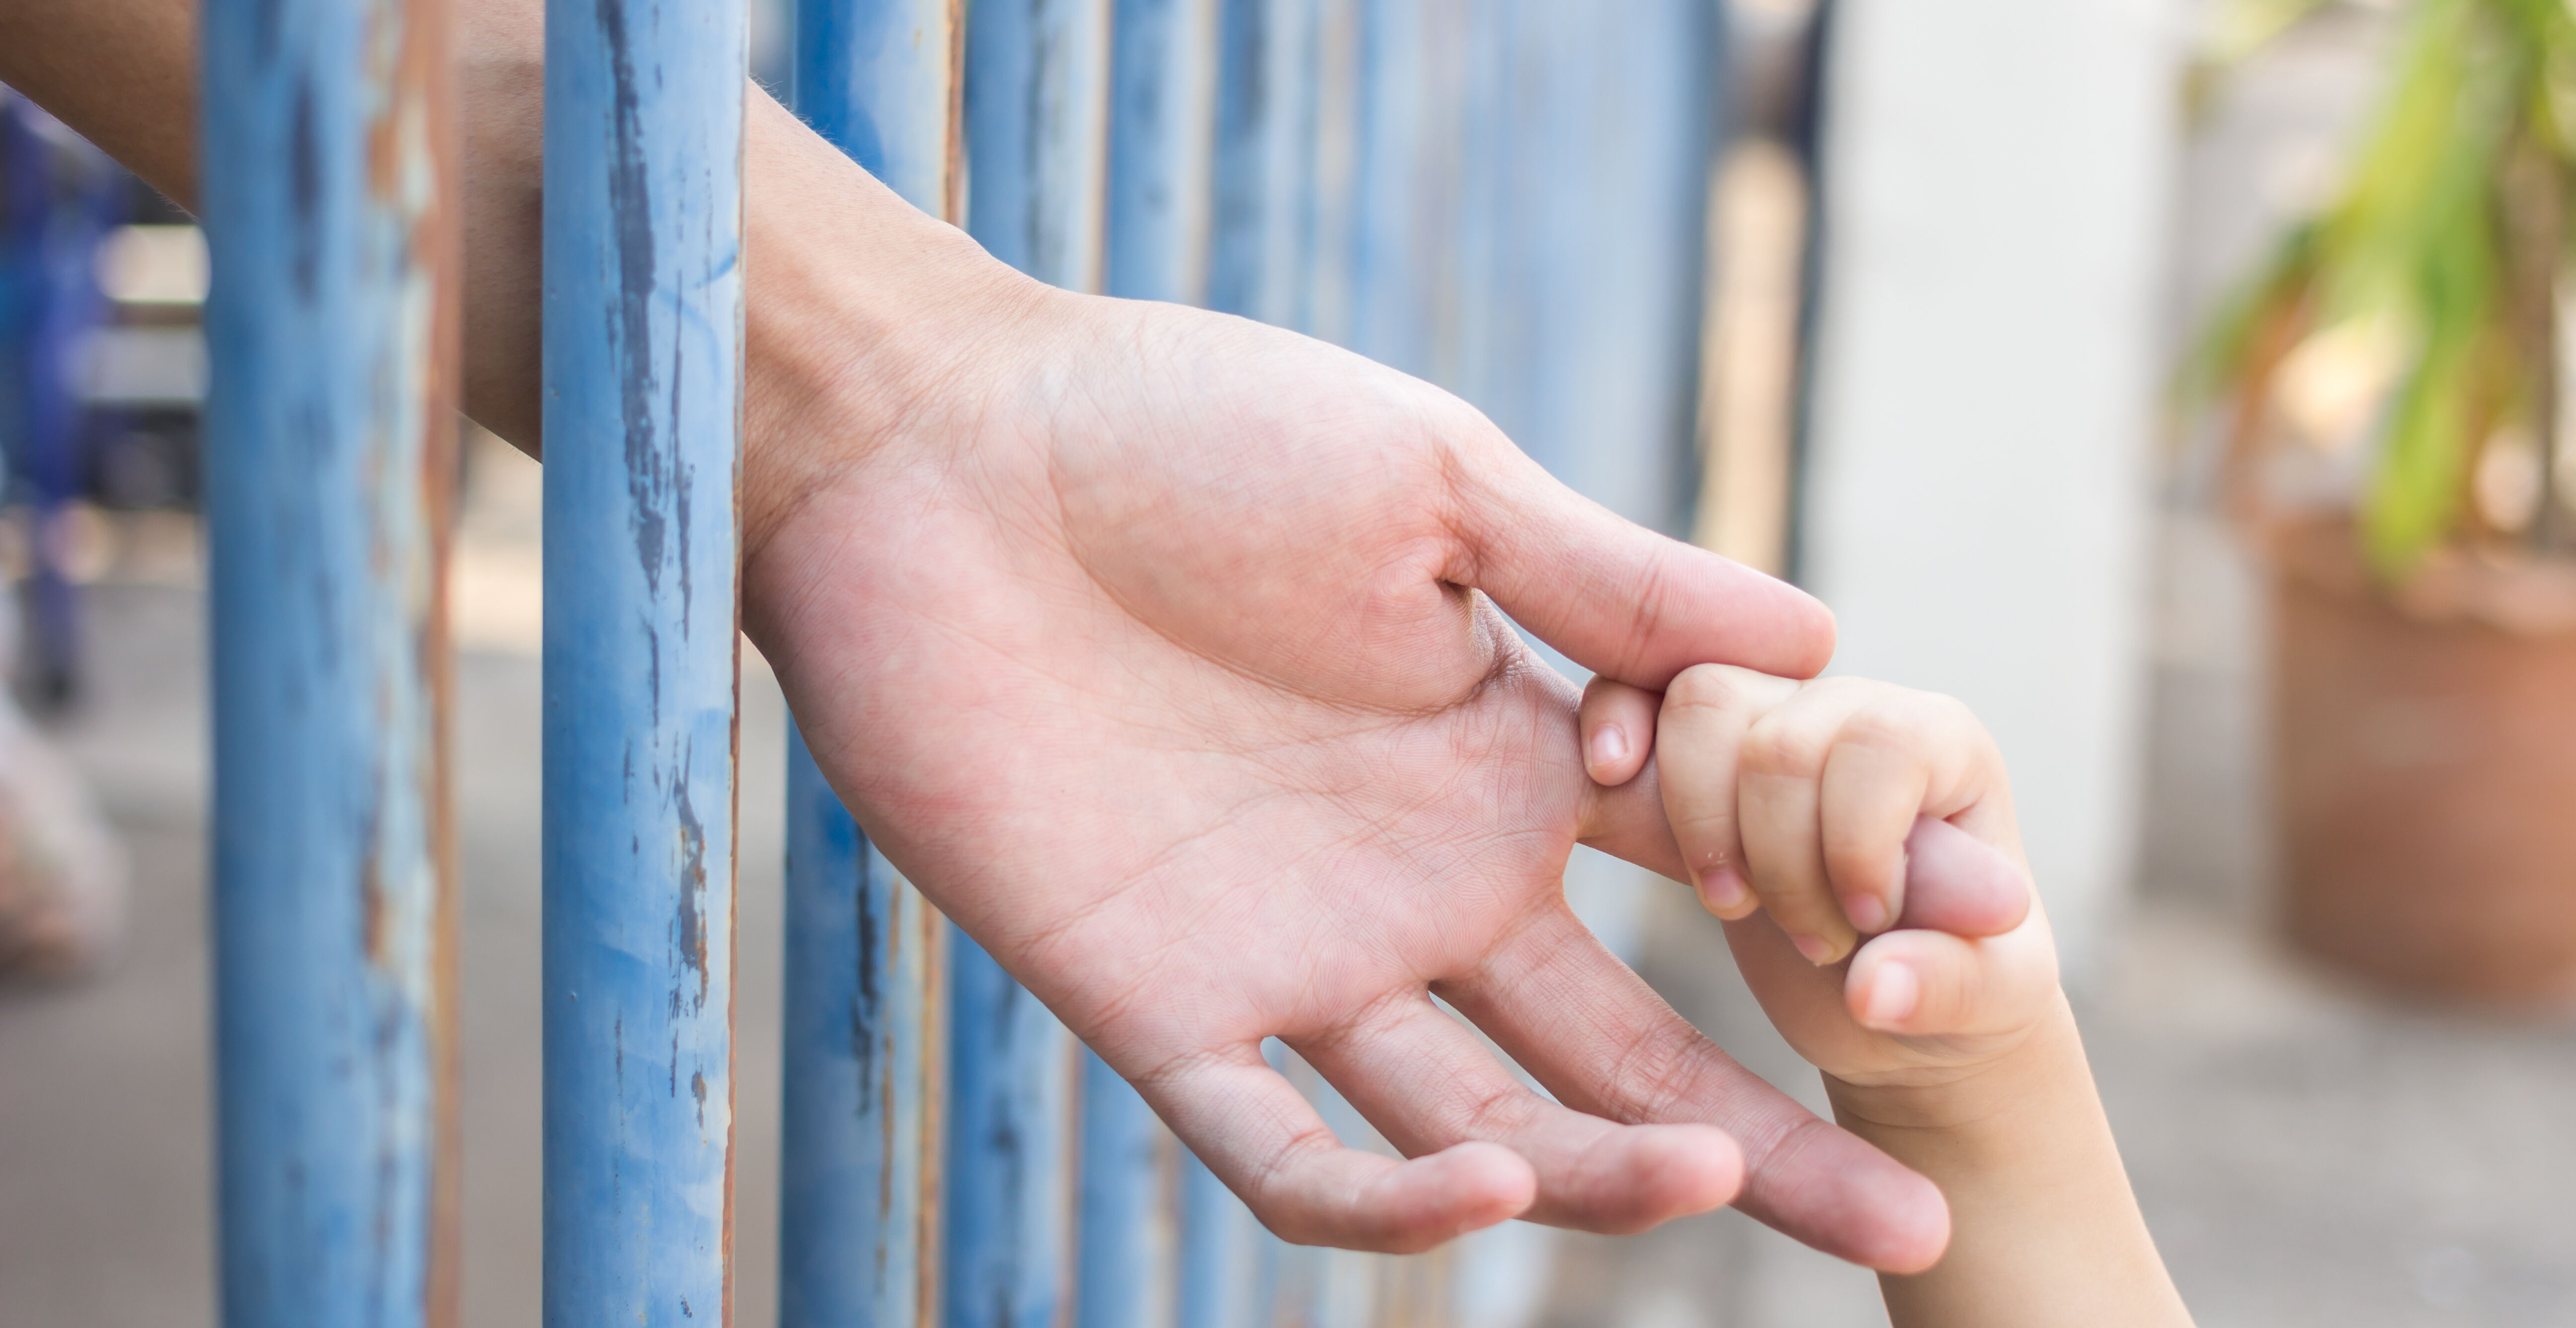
(2045, 1230)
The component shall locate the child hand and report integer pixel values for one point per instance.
(1816, 817)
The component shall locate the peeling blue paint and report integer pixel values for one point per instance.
(861, 1120)
(643, 349)
(327, 438)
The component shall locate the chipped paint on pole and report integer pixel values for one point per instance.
(643, 355)
(858, 1175)
(329, 172)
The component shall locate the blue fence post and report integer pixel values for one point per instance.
(643, 346)
(862, 1120)
(328, 172)
(1606, 119)
(1037, 101)
(1260, 248)
(858, 1241)
(1162, 146)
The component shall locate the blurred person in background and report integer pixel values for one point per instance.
(61, 873)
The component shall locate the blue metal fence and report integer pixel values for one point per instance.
(1503, 195)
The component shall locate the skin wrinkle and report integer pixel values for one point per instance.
(1664, 1067)
(1215, 902)
(1277, 679)
(1654, 610)
(1778, 1146)
(1508, 1111)
(1145, 871)
(1057, 932)
(940, 367)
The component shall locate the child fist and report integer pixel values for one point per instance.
(1840, 811)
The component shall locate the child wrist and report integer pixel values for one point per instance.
(2048, 1058)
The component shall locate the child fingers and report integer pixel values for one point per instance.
(1933, 984)
(1783, 816)
(1958, 883)
(1268, 1144)
(1618, 728)
(1868, 799)
(1897, 755)
(1428, 1083)
(1779, 820)
(1706, 713)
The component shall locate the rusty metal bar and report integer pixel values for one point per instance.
(329, 174)
(643, 351)
(858, 1211)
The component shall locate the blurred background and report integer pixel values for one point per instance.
(2178, 382)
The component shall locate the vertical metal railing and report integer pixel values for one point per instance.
(643, 350)
(865, 1002)
(1501, 195)
(328, 174)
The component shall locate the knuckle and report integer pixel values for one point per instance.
(1702, 687)
(1656, 1078)
(1783, 747)
(1891, 723)
(1494, 1116)
(1271, 1187)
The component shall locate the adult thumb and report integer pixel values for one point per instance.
(1618, 598)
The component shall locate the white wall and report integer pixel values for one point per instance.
(1988, 375)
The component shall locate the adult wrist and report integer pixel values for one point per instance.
(861, 314)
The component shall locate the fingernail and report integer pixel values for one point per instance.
(1609, 747)
(1817, 949)
(1722, 890)
(1893, 994)
(1868, 913)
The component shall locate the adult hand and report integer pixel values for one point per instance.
(1149, 643)
(1162, 651)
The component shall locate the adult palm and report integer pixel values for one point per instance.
(1150, 644)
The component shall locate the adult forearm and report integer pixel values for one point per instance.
(2045, 1230)
(123, 73)
(827, 335)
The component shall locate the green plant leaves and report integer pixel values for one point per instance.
(2421, 235)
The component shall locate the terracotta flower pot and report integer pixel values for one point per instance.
(2425, 769)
